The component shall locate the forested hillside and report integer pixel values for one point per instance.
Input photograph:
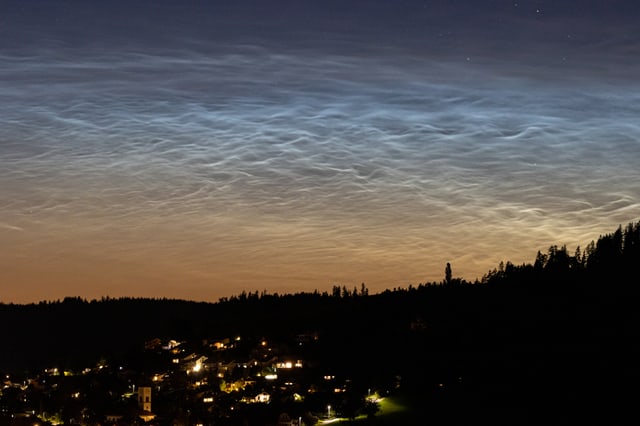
(563, 329)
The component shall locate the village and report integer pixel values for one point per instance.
(219, 381)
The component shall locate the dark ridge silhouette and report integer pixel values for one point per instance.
(559, 334)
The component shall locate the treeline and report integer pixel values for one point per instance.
(336, 291)
(609, 261)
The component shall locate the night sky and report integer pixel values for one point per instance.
(196, 149)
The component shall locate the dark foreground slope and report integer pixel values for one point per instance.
(551, 342)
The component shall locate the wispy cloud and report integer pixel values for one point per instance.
(230, 163)
(10, 227)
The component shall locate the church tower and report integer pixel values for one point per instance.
(144, 398)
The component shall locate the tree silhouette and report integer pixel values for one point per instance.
(447, 274)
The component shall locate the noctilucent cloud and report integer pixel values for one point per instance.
(195, 149)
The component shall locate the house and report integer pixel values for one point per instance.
(262, 397)
(220, 344)
(285, 420)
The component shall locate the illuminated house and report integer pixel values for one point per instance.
(263, 397)
(171, 345)
(220, 344)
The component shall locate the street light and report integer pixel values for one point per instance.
(328, 411)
